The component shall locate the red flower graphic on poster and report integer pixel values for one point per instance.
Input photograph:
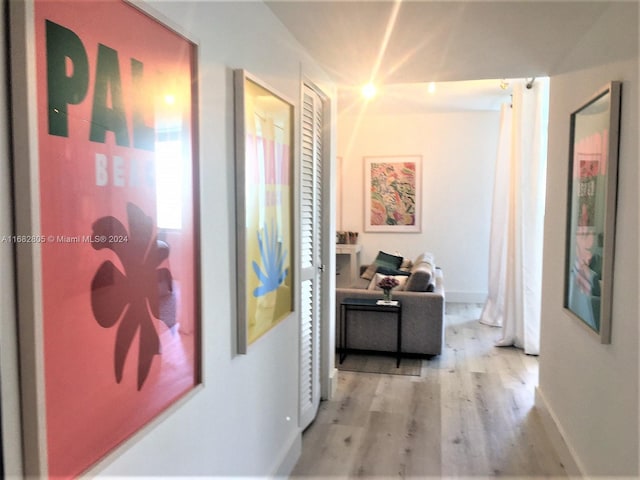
(130, 299)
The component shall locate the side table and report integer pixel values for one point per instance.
(368, 305)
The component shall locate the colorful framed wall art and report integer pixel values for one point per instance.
(591, 213)
(106, 126)
(392, 193)
(264, 194)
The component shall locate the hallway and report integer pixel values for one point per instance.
(469, 413)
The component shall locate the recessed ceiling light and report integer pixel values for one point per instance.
(369, 90)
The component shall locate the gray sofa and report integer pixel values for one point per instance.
(422, 312)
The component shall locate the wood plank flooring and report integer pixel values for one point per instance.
(469, 414)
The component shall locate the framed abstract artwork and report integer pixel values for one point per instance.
(264, 195)
(107, 233)
(392, 201)
(591, 212)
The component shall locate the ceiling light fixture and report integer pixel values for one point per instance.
(369, 90)
(432, 88)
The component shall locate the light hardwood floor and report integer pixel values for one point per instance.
(469, 414)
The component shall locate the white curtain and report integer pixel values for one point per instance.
(515, 257)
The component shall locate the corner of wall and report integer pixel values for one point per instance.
(333, 384)
(574, 395)
(288, 457)
(553, 429)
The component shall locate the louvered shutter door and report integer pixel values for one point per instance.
(310, 231)
(307, 190)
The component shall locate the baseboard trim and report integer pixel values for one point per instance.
(554, 431)
(333, 384)
(465, 297)
(288, 457)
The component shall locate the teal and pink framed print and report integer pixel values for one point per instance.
(591, 214)
(392, 193)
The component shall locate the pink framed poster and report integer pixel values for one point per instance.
(392, 199)
(105, 116)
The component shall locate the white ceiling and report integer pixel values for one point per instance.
(406, 42)
(411, 98)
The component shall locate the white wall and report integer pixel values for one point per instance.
(458, 153)
(243, 421)
(590, 389)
